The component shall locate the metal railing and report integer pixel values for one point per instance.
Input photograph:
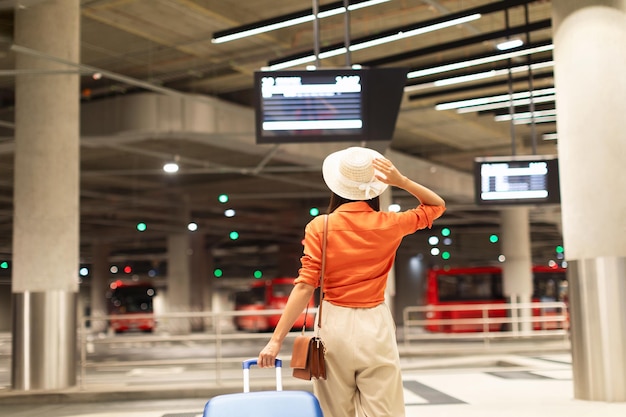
(172, 328)
(215, 341)
(486, 321)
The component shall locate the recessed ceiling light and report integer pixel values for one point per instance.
(510, 44)
(170, 167)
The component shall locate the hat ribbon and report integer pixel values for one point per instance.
(372, 186)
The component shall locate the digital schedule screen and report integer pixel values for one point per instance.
(312, 104)
(517, 180)
(327, 104)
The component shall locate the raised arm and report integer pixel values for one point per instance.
(391, 175)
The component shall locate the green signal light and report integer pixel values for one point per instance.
(559, 249)
(258, 274)
(445, 232)
(314, 211)
(234, 235)
(218, 273)
(4, 265)
(493, 238)
(223, 198)
(141, 227)
(445, 255)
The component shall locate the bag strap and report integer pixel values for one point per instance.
(323, 268)
(319, 310)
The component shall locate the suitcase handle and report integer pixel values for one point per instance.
(246, 374)
(248, 363)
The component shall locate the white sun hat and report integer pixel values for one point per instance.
(350, 174)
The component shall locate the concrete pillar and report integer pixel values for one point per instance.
(517, 268)
(100, 274)
(178, 281)
(46, 200)
(200, 276)
(5, 307)
(590, 61)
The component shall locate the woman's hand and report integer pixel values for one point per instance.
(267, 357)
(390, 174)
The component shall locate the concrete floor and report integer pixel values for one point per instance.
(511, 385)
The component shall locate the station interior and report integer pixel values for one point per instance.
(180, 191)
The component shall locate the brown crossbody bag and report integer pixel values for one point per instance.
(307, 358)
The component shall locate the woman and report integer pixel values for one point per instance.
(362, 361)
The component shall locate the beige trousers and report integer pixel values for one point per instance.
(362, 363)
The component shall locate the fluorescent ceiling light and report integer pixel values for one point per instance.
(477, 76)
(493, 73)
(375, 42)
(478, 61)
(510, 44)
(550, 136)
(545, 119)
(415, 32)
(465, 78)
(505, 104)
(263, 29)
(525, 115)
(494, 99)
(365, 4)
(292, 22)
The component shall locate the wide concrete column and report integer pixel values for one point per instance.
(200, 275)
(517, 268)
(590, 62)
(178, 281)
(46, 200)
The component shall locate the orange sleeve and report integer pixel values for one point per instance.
(311, 261)
(421, 217)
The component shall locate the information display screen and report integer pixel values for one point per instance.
(517, 180)
(327, 104)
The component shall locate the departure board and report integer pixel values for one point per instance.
(328, 104)
(526, 179)
(324, 105)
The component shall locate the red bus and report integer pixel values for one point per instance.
(483, 285)
(267, 295)
(130, 299)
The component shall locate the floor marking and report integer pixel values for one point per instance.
(517, 375)
(431, 395)
(554, 360)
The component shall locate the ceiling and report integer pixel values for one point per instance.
(165, 45)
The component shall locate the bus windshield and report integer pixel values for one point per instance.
(469, 287)
(549, 286)
(132, 299)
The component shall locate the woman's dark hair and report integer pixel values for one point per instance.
(336, 201)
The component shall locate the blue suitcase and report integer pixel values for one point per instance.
(277, 403)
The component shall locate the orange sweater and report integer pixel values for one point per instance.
(361, 248)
